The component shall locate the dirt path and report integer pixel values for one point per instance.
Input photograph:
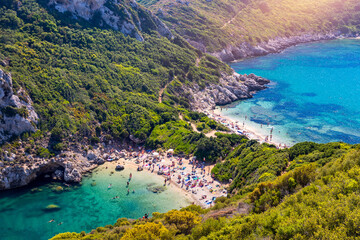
(161, 92)
(230, 21)
(193, 126)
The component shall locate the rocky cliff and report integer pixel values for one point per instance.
(246, 50)
(229, 89)
(17, 115)
(121, 15)
(68, 167)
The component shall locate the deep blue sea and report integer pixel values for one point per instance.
(314, 94)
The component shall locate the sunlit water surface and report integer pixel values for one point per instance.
(22, 214)
(314, 94)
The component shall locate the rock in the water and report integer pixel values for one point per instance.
(156, 189)
(72, 174)
(52, 208)
(58, 189)
(35, 190)
(119, 168)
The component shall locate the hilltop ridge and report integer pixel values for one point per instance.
(232, 30)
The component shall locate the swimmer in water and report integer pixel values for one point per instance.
(60, 223)
(52, 220)
(110, 185)
(133, 191)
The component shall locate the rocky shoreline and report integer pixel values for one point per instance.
(236, 87)
(275, 45)
(70, 166)
(230, 88)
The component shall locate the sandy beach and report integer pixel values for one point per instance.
(241, 129)
(189, 176)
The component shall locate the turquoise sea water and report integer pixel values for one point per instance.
(314, 94)
(84, 208)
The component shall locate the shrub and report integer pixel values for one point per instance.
(183, 221)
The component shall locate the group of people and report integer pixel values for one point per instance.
(192, 175)
(174, 168)
(127, 186)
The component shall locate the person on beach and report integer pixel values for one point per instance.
(127, 184)
(128, 192)
(130, 176)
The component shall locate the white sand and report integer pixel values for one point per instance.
(250, 132)
(211, 188)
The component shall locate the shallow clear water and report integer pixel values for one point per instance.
(314, 95)
(84, 208)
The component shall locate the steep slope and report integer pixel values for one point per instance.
(17, 115)
(317, 200)
(236, 29)
(125, 16)
(93, 86)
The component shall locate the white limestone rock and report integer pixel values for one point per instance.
(11, 122)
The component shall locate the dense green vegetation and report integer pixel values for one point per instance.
(251, 162)
(181, 137)
(317, 199)
(216, 24)
(90, 84)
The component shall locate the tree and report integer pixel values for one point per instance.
(183, 221)
(149, 231)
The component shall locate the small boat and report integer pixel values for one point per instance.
(119, 167)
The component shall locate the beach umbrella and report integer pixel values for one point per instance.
(156, 154)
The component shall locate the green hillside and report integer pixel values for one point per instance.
(88, 82)
(220, 23)
(92, 84)
(317, 199)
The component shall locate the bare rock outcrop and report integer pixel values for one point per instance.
(121, 15)
(17, 115)
(67, 168)
(245, 50)
(229, 89)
